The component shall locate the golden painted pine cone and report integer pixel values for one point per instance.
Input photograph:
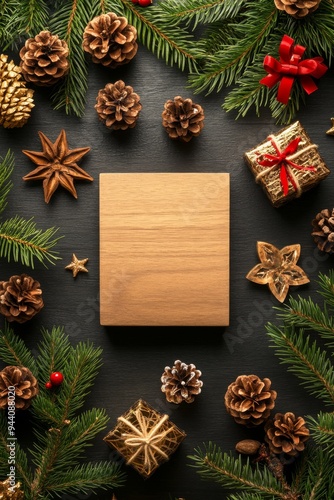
(249, 400)
(44, 59)
(26, 387)
(118, 106)
(8, 492)
(323, 230)
(286, 433)
(16, 101)
(182, 118)
(110, 40)
(181, 382)
(297, 8)
(20, 298)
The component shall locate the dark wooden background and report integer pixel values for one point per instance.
(135, 359)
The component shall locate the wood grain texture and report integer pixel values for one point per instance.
(167, 236)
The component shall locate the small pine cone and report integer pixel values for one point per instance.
(181, 382)
(8, 492)
(25, 384)
(44, 59)
(110, 40)
(16, 101)
(249, 400)
(118, 106)
(182, 118)
(297, 8)
(286, 433)
(20, 298)
(323, 230)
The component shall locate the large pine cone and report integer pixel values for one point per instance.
(20, 298)
(8, 492)
(181, 382)
(16, 101)
(323, 230)
(297, 8)
(286, 433)
(26, 387)
(118, 106)
(110, 40)
(182, 118)
(249, 400)
(44, 59)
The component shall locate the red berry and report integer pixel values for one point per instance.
(56, 378)
(145, 3)
(48, 385)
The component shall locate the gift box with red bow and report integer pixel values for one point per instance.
(286, 164)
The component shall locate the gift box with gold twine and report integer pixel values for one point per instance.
(286, 164)
(144, 437)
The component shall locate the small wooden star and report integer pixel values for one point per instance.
(278, 269)
(77, 266)
(331, 130)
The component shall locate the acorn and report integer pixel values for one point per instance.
(248, 446)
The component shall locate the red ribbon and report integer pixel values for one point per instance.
(281, 159)
(291, 66)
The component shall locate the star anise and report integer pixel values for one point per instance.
(278, 269)
(57, 164)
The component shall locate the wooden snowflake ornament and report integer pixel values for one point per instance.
(278, 269)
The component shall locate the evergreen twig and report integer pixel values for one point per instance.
(61, 433)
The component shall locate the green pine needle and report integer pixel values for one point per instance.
(13, 350)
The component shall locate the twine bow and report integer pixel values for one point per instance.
(291, 66)
(148, 442)
(284, 161)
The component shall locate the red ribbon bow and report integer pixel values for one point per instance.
(282, 160)
(290, 66)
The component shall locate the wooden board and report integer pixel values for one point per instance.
(164, 249)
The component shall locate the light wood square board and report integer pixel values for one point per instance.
(164, 249)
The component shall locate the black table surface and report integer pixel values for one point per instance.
(133, 359)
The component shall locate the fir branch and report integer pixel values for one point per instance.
(212, 464)
(322, 428)
(165, 39)
(6, 170)
(86, 477)
(308, 315)
(224, 67)
(69, 22)
(197, 12)
(326, 283)
(21, 240)
(305, 359)
(318, 483)
(13, 350)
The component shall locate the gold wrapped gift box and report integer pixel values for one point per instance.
(144, 437)
(299, 170)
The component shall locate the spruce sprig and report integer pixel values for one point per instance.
(61, 433)
(20, 239)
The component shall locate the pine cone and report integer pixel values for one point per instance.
(182, 118)
(8, 492)
(20, 298)
(16, 101)
(118, 106)
(110, 40)
(181, 382)
(26, 387)
(249, 400)
(44, 59)
(286, 433)
(323, 230)
(297, 8)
